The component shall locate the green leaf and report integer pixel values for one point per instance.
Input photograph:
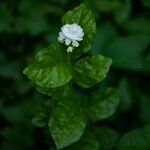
(106, 34)
(137, 139)
(147, 63)
(126, 99)
(146, 3)
(137, 25)
(61, 92)
(124, 11)
(102, 104)
(108, 6)
(42, 116)
(10, 70)
(15, 137)
(144, 109)
(107, 137)
(87, 142)
(128, 52)
(42, 90)
(83, 17)
(66, 123)
(89, 71)
(6, 18)
(32, 24)
(55, 93)
(14, 114)
(50, 69)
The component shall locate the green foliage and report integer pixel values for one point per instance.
(103, 103)
(89, 117)
(89, 71)
(146, 3)
(42, 115)
(50, 68)
(5, 18)
(133, 48)
(137, 139)
(108, 5)
(107, 137)
(144, 109)
(88, 142)
(122, 14)
(67, 122)
(137, 26)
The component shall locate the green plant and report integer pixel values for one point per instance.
(77, 100)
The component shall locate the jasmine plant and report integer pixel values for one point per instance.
(71, 77)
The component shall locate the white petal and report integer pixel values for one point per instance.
(69, 49)
(60, 39)
(61, 35)
(75, 43)
(71, 33)
(67, 42)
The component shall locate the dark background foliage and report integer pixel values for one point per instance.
(27, 26)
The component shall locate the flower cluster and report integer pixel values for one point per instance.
(71, 35)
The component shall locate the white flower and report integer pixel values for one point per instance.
(71, 35)
(69, 49)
